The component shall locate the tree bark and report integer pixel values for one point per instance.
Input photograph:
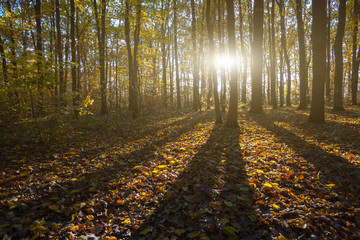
(59, 53)
(243, 55)
(177, 79)
(339, 64)
(218, 118)
(328, 51)
(318, 38)
(73, 58)
(196, 101)
(302, 56)
(257, 58)
(273, 58)
(232, 114)
(355, 58)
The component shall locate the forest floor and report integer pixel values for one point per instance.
(179, 176)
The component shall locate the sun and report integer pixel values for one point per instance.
(224, 60)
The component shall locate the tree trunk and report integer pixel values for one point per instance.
(302, 55)
(3, 60)
(12, 42)
(177, 79)
(218, 118)
(243, 55)
(232, 114)
(339, 64)
(355, 59)
(328, 51)
(132, 58)
(273, 58)
(59, 53)
(257, 57)
(318, 38)
(285, 54)
(73, 58)
(163, 51)
(196, 101)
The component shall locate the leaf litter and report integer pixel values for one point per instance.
(182, 177)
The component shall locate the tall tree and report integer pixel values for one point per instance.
(243, 54)
(101, 35)
(209, 25)
(284, 52)
(302, 56)
(232, 114)
(3, 60)
(273, 57)
(59, 53)
(196, 99)
(177, 79)
(318, 38)
(257, 57)
(221, 52)
(355, 57)
(132, 57)
(73, 58)
(339, 64)
(328, 51)
(163, 51)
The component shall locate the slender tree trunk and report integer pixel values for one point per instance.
(3, 61)
(59, 53)
(318, 38)
(73, 58)
(196, 101)
(39, 53)
(328, 51)
(202, 62)
(218, 118)
(232, 114)
(12, 43)
(243, 55)
(283, 49)
(163, 51)
(257, 57)
(302, 55)
(221, 52)
(285, 54)
(273, 58)
(355, 59)
(177, 80)
(339, 64)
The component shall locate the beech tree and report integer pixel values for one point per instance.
(339, 65)
(232, 113)
(317, 114)
(256, 59)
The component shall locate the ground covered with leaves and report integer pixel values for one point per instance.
(179, 176)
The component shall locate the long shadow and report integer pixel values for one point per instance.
(210, 197)
(78, 191)
(333, 168)
(343, 135)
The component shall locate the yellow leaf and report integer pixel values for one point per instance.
(230, 232)
(90, 217)
(193, 234)
(126, 222)
(268, 185)
(179, 231)
(162, 166)
(275, 207)
(74, 179)
(281, 237)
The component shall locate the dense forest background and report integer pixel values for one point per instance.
(181, 119)
(90, 57)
